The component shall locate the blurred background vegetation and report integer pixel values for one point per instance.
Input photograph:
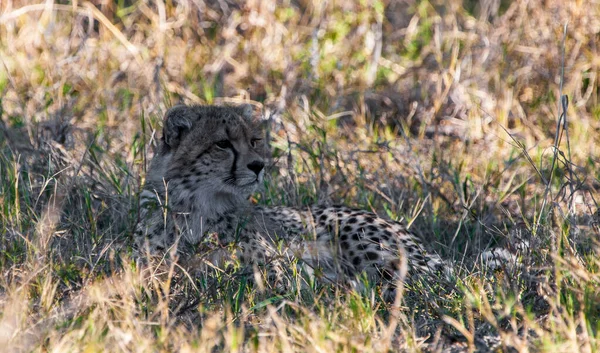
(441, 113)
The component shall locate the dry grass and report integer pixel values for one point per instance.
(443, 114)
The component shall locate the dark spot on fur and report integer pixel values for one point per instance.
(371, 255)
(352, 220)
(411, 248)
(355, 237)
(348, 270)
(363, 246)
(344, 237)
(387, 274)
(323, 218)
(347, 228)
(373, 228)
(186, 182)
(356, 261)
(345, 245)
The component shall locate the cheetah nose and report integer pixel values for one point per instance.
(256, 166)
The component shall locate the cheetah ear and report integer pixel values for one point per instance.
(178, 121)
(245, 110)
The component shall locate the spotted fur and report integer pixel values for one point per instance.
(211, 160)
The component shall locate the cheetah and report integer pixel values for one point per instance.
(210, 160)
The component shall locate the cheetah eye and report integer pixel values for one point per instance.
(254, 142)
(224, 144)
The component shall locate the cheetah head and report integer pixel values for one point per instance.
(210, 157)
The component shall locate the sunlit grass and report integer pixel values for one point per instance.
(442, 115)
